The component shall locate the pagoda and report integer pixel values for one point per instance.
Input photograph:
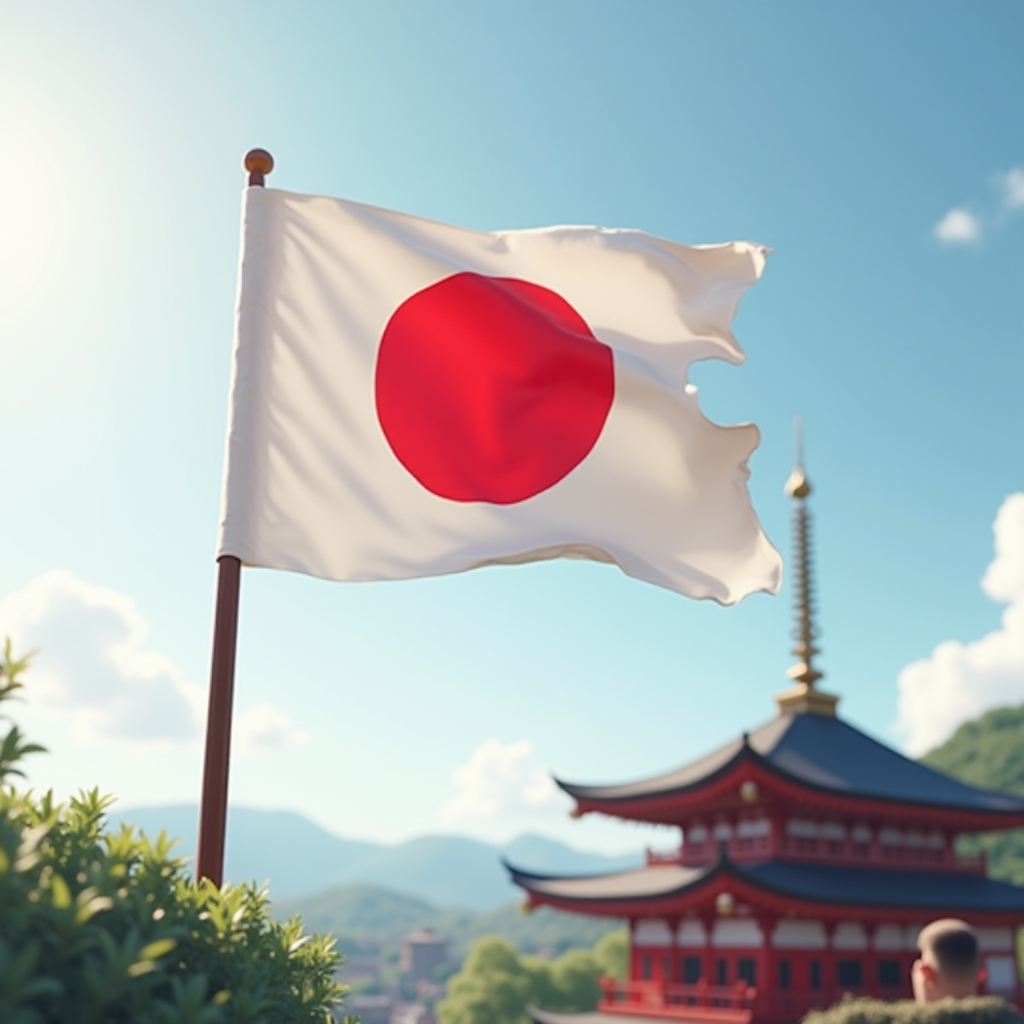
(810, 857)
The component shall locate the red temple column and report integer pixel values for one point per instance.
(767, 979)
(829, 981)
(708, 970)
(675, 969)
(870, 978)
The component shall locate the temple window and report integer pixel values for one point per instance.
(666, 968)
(889, 974)
(746, 968)
(785, 974)
(850, 973)
(646, 967)
(721, 971)
(815, 974)
(692, 970)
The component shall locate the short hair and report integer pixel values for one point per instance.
(953, 945)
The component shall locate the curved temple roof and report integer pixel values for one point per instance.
(812, 883)
(821, 752)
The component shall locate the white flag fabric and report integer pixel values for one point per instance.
(411, 399)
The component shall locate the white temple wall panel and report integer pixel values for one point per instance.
(736, 935)
(890, 937)
(691, 934)
(799, 828)
(913, 930)
(850, 935)
(652, 932)
(1002, 973)
(751, 828)
(799, 935)
(995, 940)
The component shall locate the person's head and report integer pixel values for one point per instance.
(948, 966)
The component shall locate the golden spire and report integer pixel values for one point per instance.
(803, 698)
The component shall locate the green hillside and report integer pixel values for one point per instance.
(368, 919)
(989, 752)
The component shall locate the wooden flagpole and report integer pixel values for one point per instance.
(213, 811)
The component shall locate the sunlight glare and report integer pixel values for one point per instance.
(30, 219)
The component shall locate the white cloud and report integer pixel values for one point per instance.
(962, 227)
(264, 728)
(95, 663)
(93, 660)
(503, 780)
(958, 227)
(1011, 187)
(961, 680)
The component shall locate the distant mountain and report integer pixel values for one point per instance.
(368, 919)
(989, 752)
(299, 858)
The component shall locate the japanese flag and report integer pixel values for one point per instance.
(411, 399)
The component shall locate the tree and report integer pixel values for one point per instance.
(102, 927)
(493, 987)
(495, 984)
(574, 979)
(612, 954)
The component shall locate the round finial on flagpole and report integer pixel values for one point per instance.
(259, 163)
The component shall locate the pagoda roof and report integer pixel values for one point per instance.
(816, 752)
(666, 889)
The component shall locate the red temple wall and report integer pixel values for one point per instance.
(799, 968)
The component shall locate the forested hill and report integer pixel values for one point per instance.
(989, 752)
(368, 919)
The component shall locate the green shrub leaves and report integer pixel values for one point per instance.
(102, 927)
(979, 1010)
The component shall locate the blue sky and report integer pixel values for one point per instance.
(876, 147)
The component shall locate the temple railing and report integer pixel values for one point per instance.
(824, 851)
(725, 1004)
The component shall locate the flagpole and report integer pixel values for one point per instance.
(213, 810)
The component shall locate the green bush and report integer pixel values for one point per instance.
(496, 983)
(612, 954)
(978, 1010)
(104, 927)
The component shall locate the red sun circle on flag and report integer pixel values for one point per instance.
(490, 388)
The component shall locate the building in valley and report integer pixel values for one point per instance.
(811, 856)
(423, 952)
